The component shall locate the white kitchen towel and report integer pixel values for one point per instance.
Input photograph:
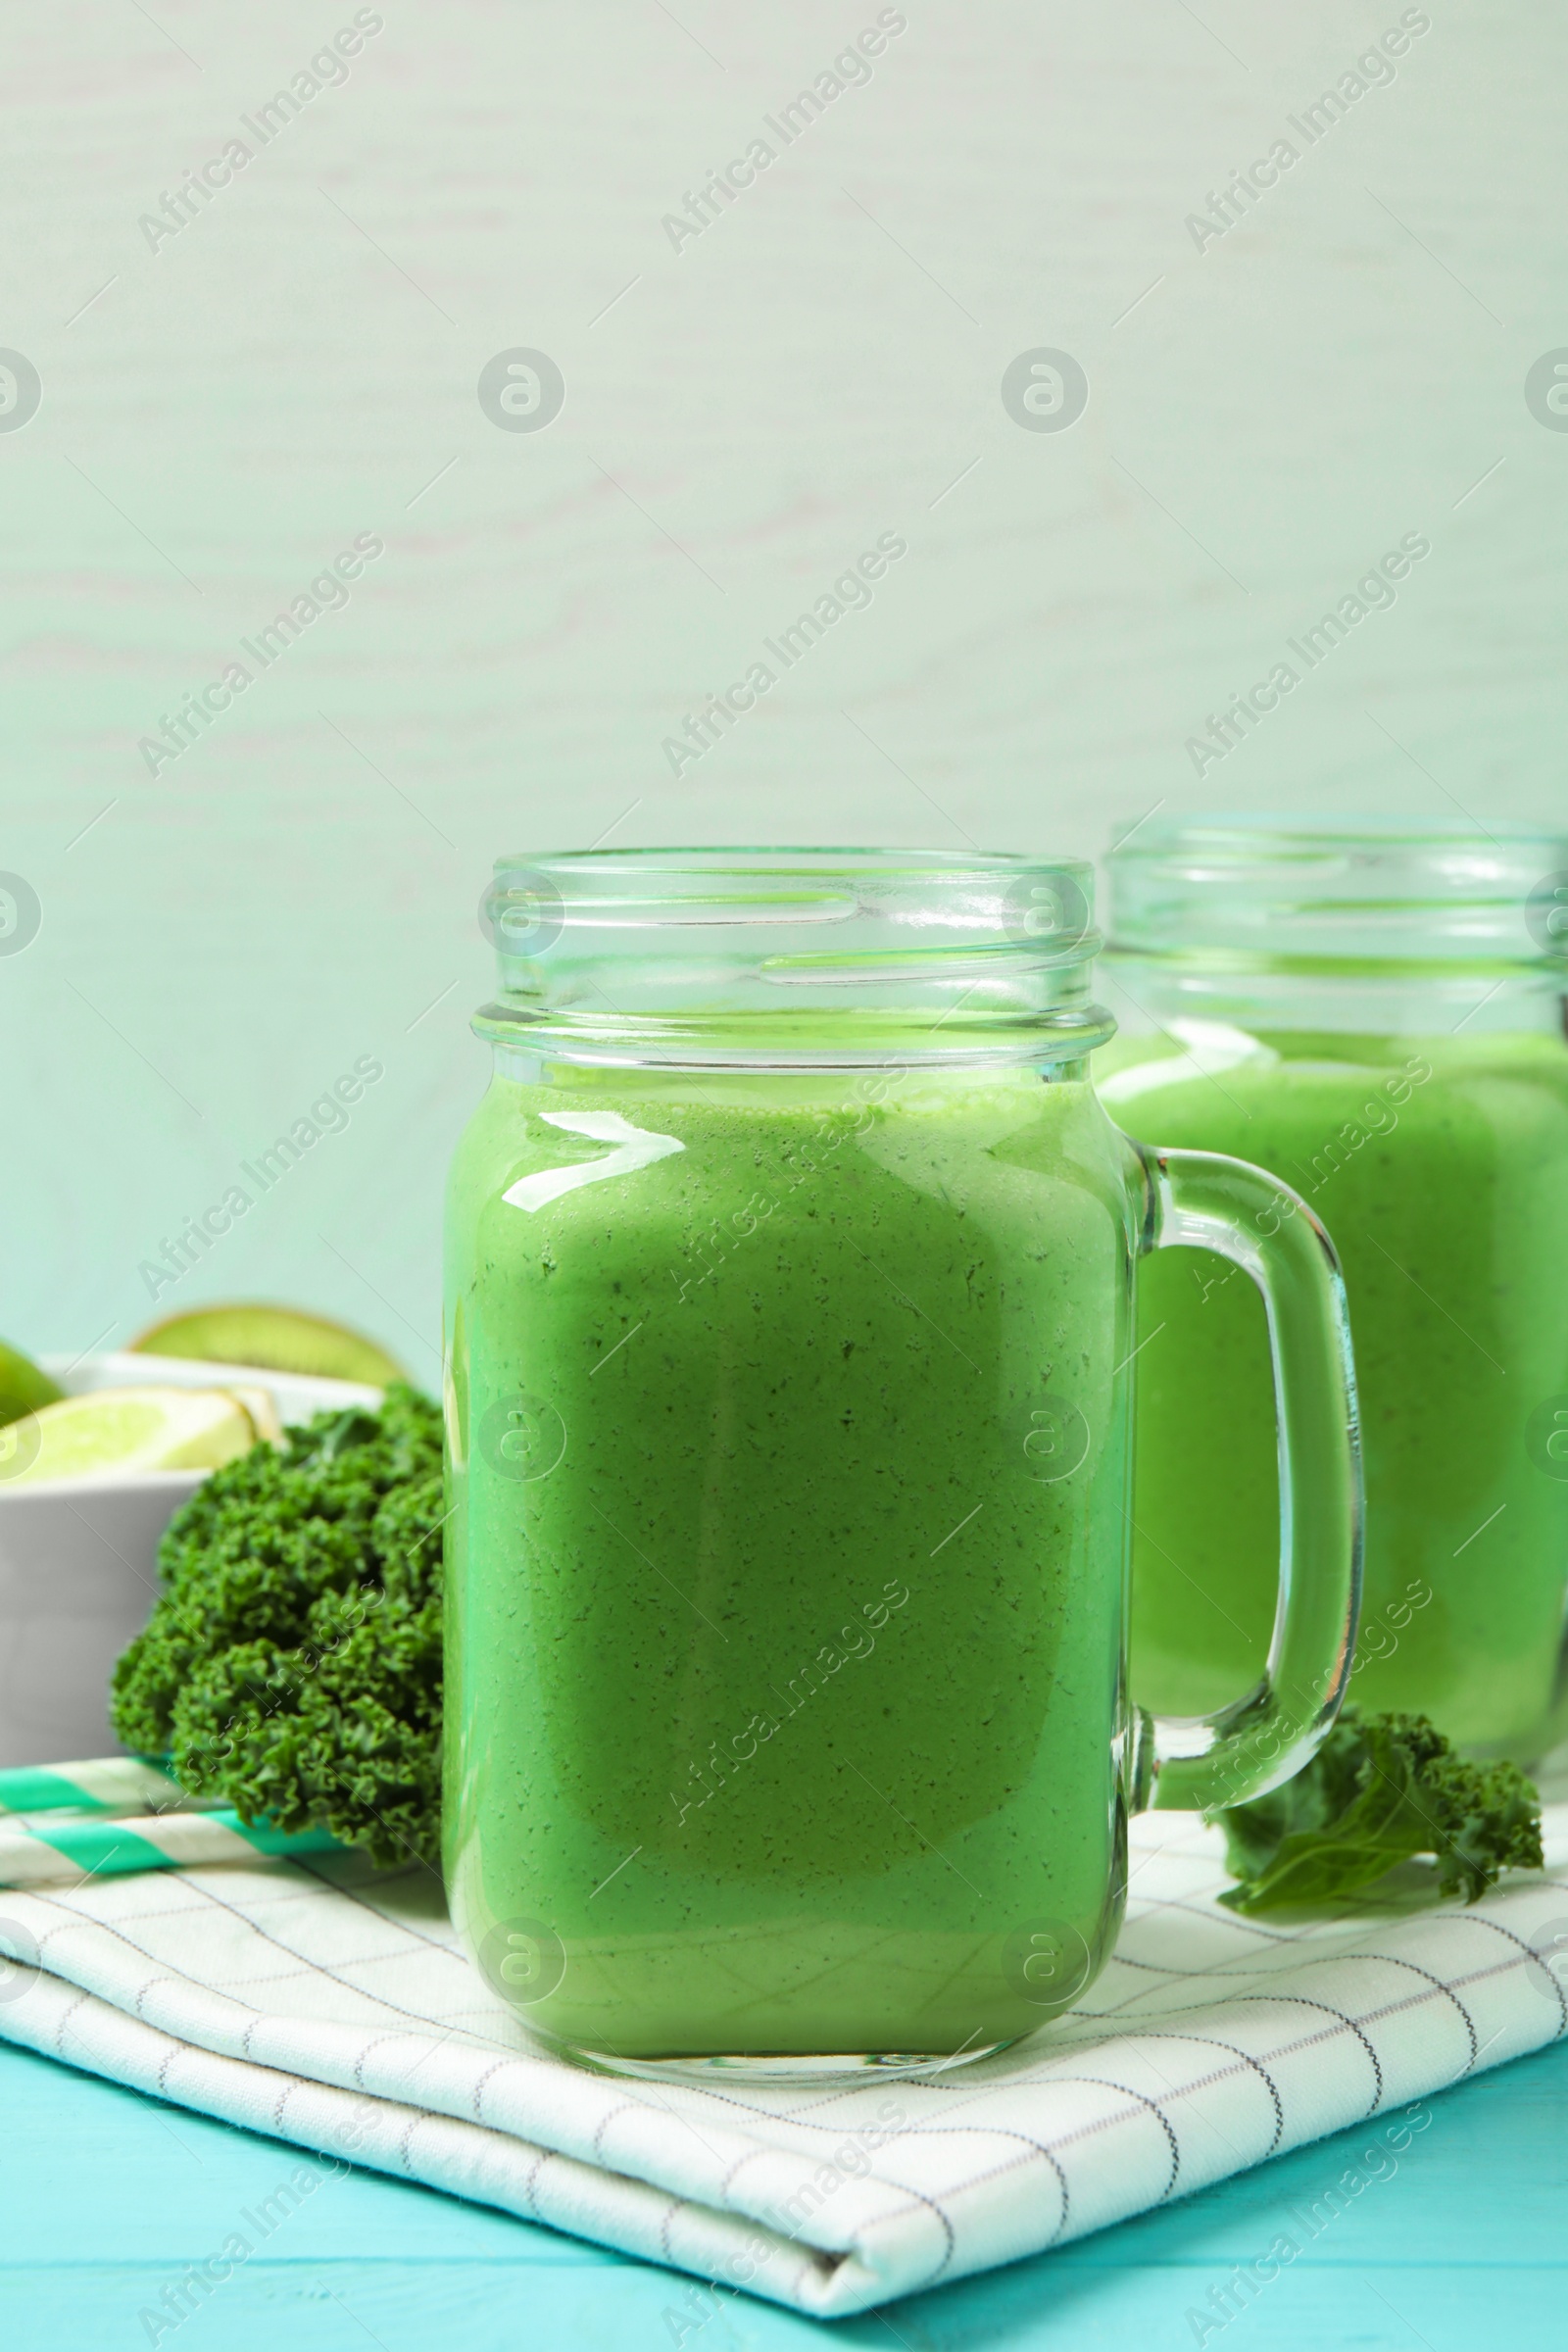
(327, 2004)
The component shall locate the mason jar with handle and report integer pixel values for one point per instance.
(1375, 1008)
(789, 1364)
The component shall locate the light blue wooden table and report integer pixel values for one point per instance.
(104, 2196)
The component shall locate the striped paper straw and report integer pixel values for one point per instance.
(83, 1849)
(101, 1784)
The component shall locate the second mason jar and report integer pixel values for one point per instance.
(1376, 1013)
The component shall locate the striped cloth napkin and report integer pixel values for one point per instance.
(319, 2001)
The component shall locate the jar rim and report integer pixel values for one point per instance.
(719, 853)
(1043, 906)
(713, 952)
(581, 870)
(1273, 889)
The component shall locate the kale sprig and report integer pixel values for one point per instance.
(1382, 1789)
(291, 1666)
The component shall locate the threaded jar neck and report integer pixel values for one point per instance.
(793, 959)
(1272, 894)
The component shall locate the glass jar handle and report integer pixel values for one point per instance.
(1206, 1201)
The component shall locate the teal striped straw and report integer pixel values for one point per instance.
(116, 1814)
(102, 1784)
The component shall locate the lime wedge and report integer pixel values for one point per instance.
(23, 1387)
(273, 1338)
(261, 1407)
(122, 1430)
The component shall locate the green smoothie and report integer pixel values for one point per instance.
(786, 1594)
(1440, 1166)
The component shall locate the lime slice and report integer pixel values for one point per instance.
(123, 1431)
(275, 1339)
(261, 1407)
(23, 1387)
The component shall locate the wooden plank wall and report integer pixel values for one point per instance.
(228, 405)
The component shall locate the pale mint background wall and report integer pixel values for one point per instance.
(221, 415)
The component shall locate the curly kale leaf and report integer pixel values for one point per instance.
(291, 1666)
(1381, 1789)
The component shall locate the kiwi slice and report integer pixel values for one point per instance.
(275, 1339)
(24, 1389)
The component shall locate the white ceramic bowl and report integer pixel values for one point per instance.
(78, 1561)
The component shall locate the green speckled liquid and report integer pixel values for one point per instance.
(787, 1563)
(1440, 1166)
